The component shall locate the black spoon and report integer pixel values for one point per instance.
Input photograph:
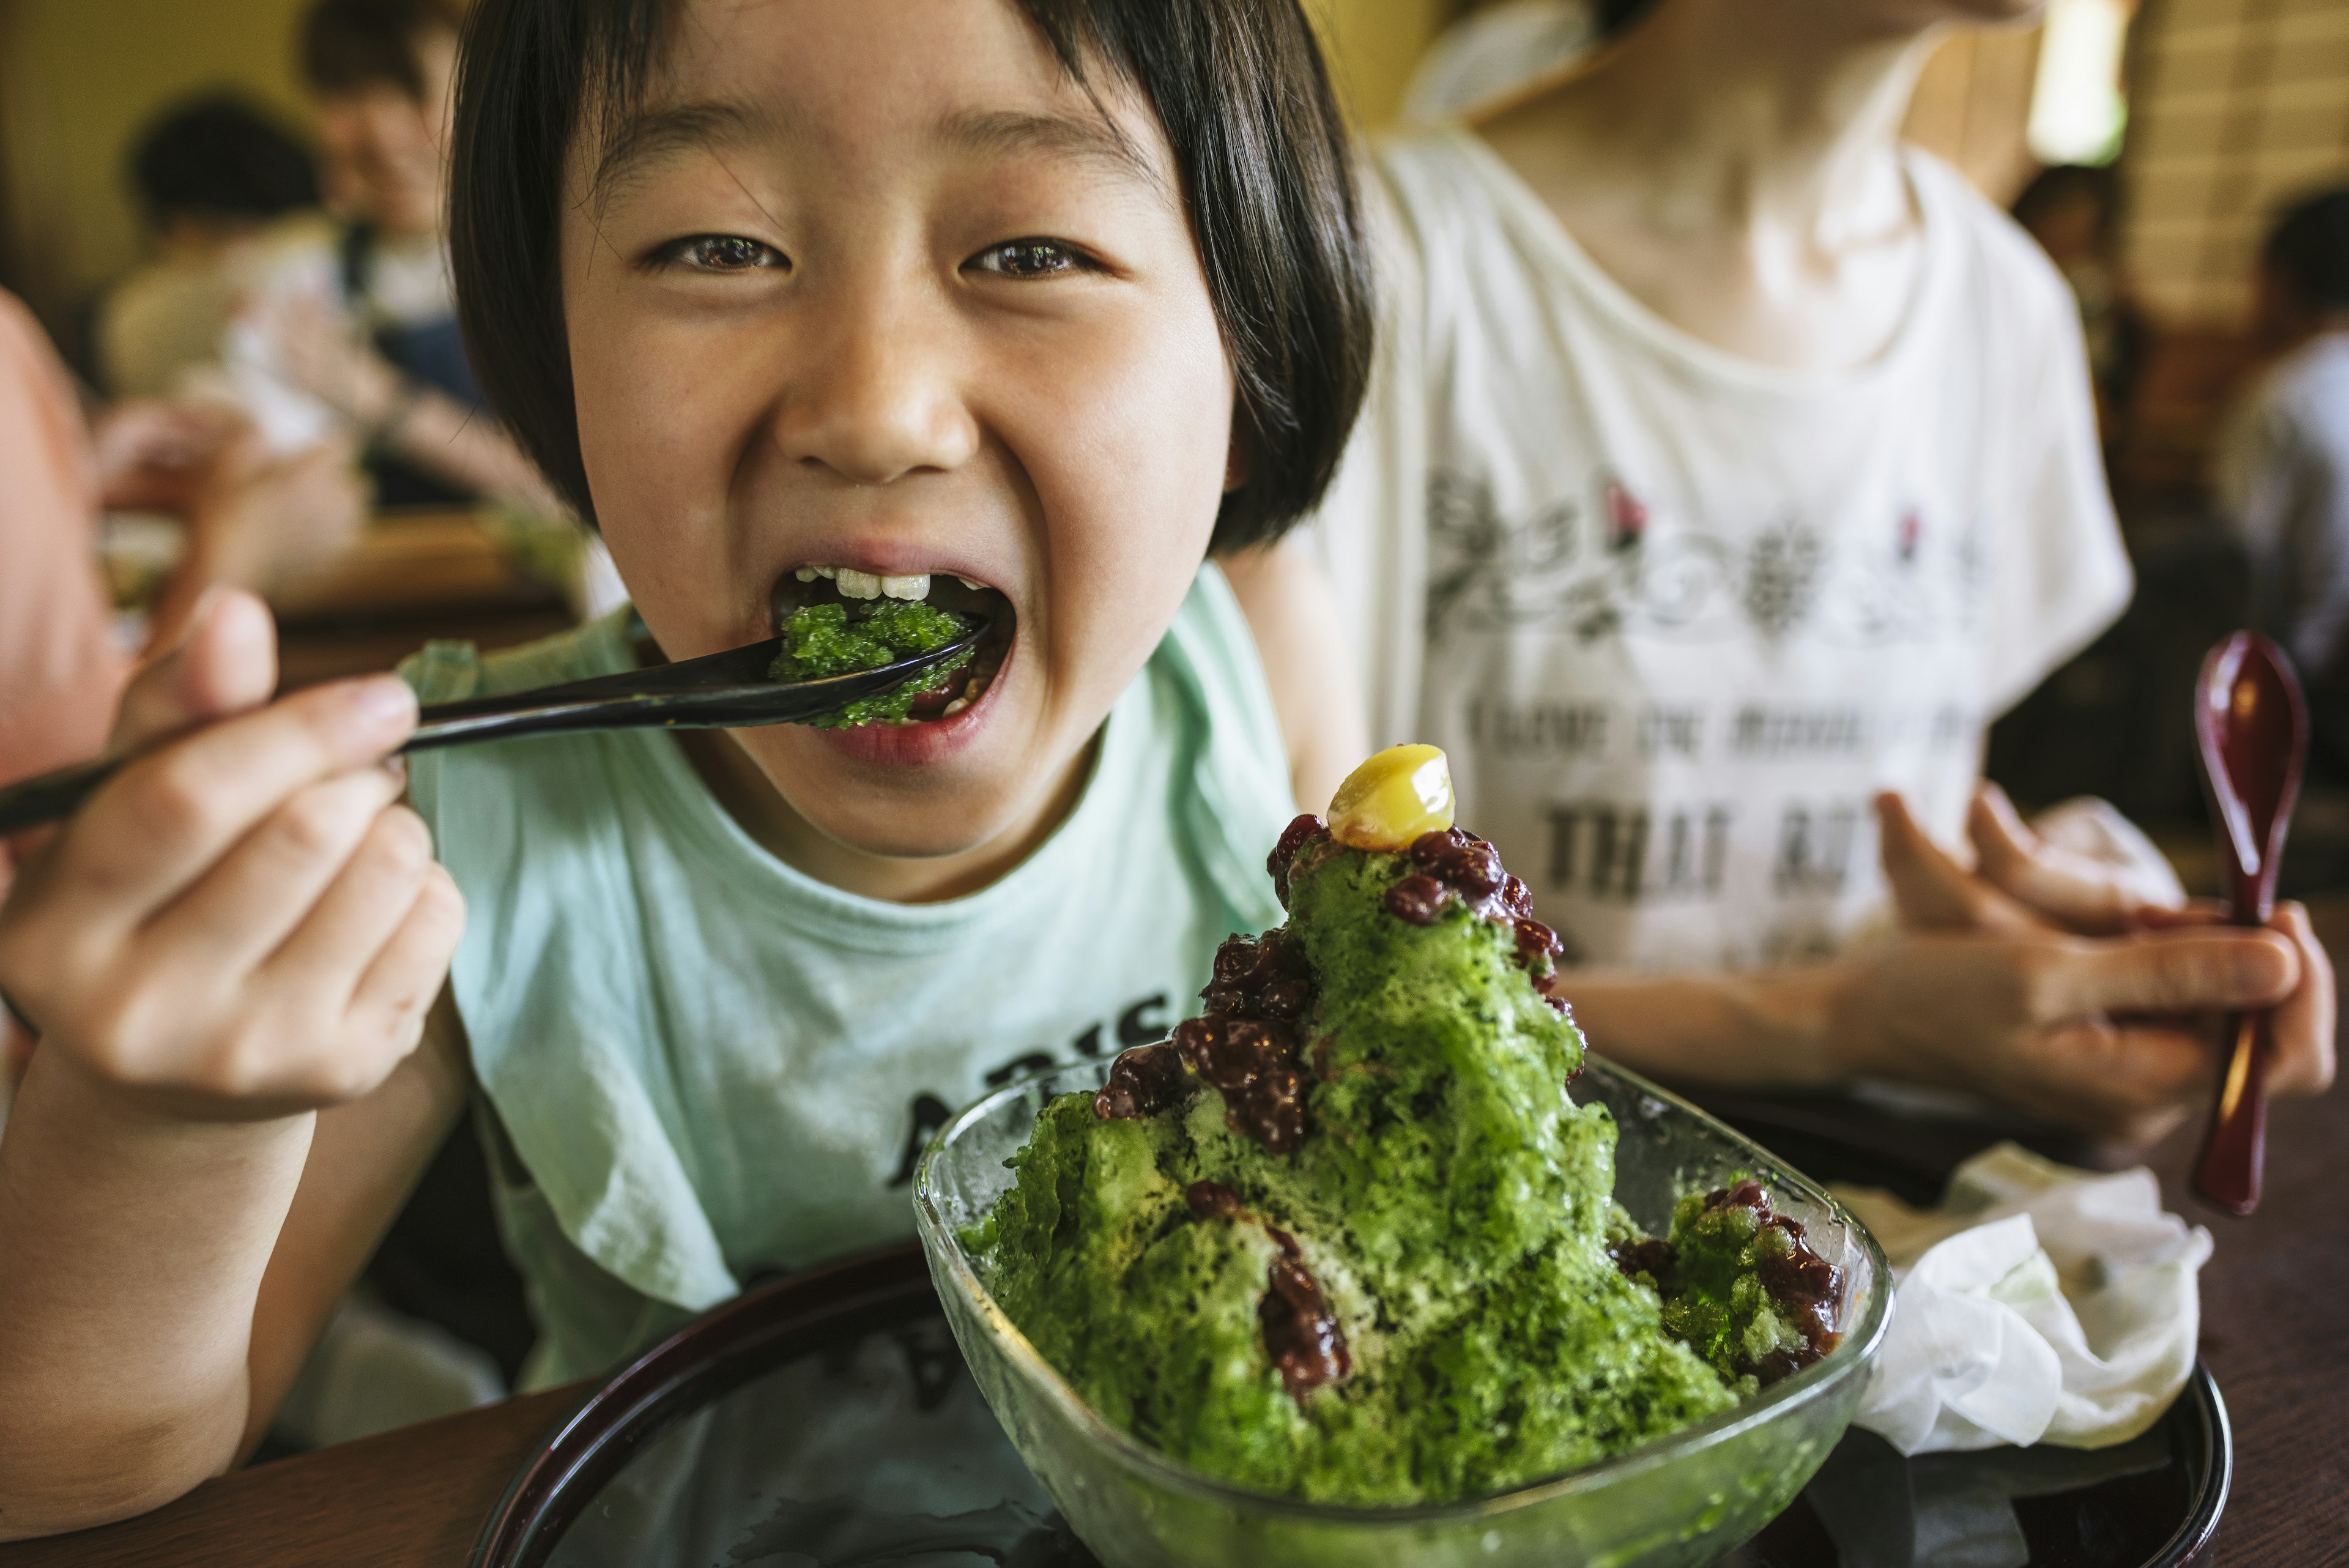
(727, 690)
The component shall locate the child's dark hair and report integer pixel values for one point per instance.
(1238, 85)
(2308, 250)
(220, 160)
(350, 46)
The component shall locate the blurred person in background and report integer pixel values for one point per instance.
(383, 350)
(2283, 464)
(1729, 466)
(2073, 209)
(225, 193)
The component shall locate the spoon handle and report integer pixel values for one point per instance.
(2228, 1173)
(52, 796)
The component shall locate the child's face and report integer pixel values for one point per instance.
(874, 286)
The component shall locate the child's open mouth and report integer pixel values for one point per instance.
(871, 607)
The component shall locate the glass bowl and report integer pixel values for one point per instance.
(1684, 1500)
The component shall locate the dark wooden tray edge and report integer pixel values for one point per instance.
(634, 1405)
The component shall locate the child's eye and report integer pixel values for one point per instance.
(1031, 258)
(721, 253)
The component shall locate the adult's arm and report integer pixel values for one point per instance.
(464, 446)
(1287, 601)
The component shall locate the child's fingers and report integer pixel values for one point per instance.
(340, 934)
(156, 828)
(2303, 1025)
(272, 884)
(225, 662)
(392, 997)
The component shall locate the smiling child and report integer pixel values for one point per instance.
(1025, 308)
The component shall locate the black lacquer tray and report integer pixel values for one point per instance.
(826, 1421)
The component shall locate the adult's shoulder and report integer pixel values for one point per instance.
(1425, 182)
(1434, 212)
(1997, 261)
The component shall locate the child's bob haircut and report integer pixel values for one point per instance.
(1238, 86)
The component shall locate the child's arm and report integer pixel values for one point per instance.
(1287, 598)
(239, 931)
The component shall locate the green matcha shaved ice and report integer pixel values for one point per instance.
(840, 638)
(1740, 1288)
(1377, 1104)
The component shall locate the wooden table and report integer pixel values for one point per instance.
(412, 578)
(2275, 1303)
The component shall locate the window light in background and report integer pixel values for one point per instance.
(2078, 111)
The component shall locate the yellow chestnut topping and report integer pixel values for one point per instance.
(1391, 800)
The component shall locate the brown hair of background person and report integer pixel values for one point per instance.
(2307, 258)
(2074, 211)
(1258, 141)
(220, 160)
(349, 46)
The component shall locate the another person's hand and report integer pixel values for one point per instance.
(153, 455)
(319, 351)
(2049, 991)
(244, 923)
(260, 521)
(2092, 873)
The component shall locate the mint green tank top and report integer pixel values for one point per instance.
(697, 1065)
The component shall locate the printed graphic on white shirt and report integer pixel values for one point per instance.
(1678, 618)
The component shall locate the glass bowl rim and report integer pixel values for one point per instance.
(1850, 1357)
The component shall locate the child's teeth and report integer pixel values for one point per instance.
(966, 582)
(805, 574)
(906, 587)
(957, 706)
(856, 585)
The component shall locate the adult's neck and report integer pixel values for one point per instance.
(1733, 166)
(1740, 113)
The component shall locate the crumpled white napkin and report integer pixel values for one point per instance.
(2037, 1304)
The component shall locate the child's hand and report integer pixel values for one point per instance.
(243, 924)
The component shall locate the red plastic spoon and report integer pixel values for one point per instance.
(2252, 725)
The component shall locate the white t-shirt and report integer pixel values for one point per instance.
(1678, 616)
(1494, 51)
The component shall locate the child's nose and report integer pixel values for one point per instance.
(879, 400)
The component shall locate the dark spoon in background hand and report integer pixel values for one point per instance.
(2251, 724)
(723, 691)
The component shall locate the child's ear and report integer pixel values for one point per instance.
(1239, 462)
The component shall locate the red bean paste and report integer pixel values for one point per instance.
(1301, 1333)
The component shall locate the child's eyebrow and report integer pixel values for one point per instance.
(719, 124)
(1093, 139)
(647, 138)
